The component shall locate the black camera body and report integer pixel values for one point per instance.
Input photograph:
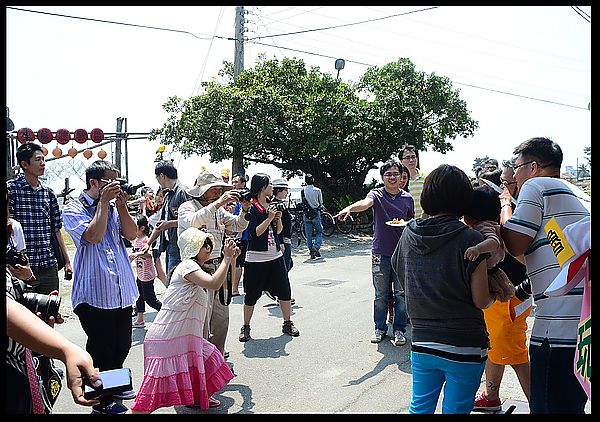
(279, 205)
(128, 188)
(15, 257)
(245, 194)
(47, 305)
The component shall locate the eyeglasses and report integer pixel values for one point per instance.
(394, 174)
(506, 182)
(107, 181)
(522, 164)
(409, 157)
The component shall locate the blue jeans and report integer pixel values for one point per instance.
(383, 276)
(554, 387)
(172, 258)
(308, 229)
(459, 379)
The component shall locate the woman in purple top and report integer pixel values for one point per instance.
(388, 202)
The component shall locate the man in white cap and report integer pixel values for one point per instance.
(206, 210)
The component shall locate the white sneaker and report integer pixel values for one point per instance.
(399, 339)
(377, 336)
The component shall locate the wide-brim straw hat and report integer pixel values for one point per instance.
(207, 179)
(191, 241)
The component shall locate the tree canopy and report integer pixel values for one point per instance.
(306, 121)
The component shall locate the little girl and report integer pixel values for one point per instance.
(180, 366)
(146, 272)
(483, 215)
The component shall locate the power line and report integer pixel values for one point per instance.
(458, 83)
(582, 11)
(582, 14)
(112, 22)
(344, 25)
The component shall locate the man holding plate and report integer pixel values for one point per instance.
(388, 202)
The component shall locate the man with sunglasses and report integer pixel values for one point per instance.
(547, 204)
(104, 286)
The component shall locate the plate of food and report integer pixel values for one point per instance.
(397, 222)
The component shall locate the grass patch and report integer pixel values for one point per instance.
(67, 238)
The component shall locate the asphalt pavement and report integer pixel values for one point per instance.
(332, 367)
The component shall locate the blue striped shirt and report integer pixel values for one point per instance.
(38, 212)
(102, 274)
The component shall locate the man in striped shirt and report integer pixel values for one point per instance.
(409, 156)
(104, 286)
(35, 206)
(543, 200)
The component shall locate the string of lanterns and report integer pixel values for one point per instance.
(63, 137)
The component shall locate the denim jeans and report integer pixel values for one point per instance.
(172, 258)
(383, 276)
(308, 229)
(554, 387)
(459, 379)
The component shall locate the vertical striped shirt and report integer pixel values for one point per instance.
(415, 187)
(540, 199)
(38, 212)
(102, 273)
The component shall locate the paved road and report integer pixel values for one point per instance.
(331, 368)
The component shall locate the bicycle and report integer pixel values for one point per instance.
(298, 234)
(344, 227)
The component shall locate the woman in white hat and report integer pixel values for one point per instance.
(180, 366)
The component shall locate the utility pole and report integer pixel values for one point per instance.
(126, 176)
(117, 157)
(237, 163)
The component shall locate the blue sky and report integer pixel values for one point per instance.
(524, 71)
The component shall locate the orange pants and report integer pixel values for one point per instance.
(508, 337)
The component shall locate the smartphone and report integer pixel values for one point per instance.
(114, 381)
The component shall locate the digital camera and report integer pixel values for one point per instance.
(128, 188)
(279, 205)
(47, 305)
(245, 194)
(15, 257)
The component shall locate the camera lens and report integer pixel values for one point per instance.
(47, 305)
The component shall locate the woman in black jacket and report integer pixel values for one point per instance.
(265, 269)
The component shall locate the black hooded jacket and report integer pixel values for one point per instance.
(430, 264)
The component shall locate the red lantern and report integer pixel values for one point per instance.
(25, 135)
(97, 135)
(81, 136)
(44, 135)
(102, 154)
(87, 154)
(72, 152)
(63, 136)
(57, 152)
(44, 151)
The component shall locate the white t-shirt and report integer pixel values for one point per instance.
(18, 238)
(540, 199)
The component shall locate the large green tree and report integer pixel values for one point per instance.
(305, 121)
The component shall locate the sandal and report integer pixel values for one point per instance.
(139, 324)
(212, 402)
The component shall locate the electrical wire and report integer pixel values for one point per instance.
(582, 11)
(454, 82)
(112, 22)
(582, 14)
(344, 25)
(203, 68)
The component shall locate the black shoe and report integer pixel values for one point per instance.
(126, 395)
(244, 334)
(289, 328)
(312, 254)
(317, 253)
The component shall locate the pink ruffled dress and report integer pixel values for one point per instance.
(180, 366)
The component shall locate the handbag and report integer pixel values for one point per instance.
(45, 382)
(309, 211)
(57, 250)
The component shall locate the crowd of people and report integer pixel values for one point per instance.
(452, 259)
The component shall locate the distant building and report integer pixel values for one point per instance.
(569, 177)
(572, 170)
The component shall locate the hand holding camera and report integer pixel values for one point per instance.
(230, 248)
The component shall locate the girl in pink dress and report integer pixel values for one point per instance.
(180, 366)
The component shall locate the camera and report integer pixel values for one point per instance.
(47, 305)
(114, 381)
(128, 188)
(238, 242)
(245, 194)
(279, 205)
(15, 257)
